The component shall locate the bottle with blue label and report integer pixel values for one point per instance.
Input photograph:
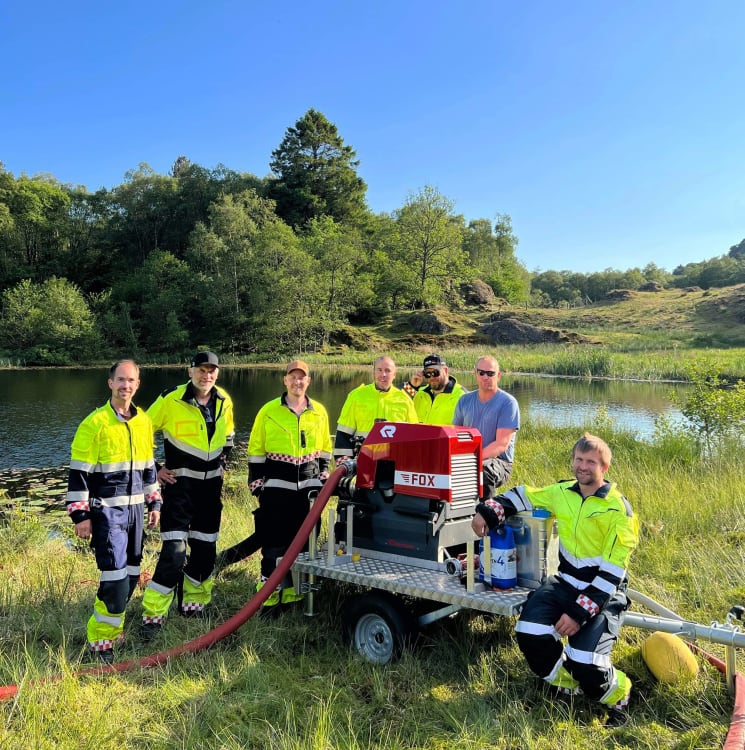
(503, 558)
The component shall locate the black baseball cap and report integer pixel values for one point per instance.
(205, 358)
(434, 360)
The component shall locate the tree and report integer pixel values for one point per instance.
(339, 255)
(737, 251)
(714, 409)
(144, 208)
(492, 256)
(33, 225)
(48, 323)
(429, 243)
(316, 174)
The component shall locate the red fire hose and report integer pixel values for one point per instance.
(735, 739)
(240, 617)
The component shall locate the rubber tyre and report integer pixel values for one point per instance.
(378, 626)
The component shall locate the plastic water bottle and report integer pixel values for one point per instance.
(503, 558)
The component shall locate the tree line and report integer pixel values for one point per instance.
(249, 265)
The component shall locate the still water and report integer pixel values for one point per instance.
(42, 408)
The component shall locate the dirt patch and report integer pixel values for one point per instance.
(513, 331)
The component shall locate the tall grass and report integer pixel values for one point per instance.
(292, 683)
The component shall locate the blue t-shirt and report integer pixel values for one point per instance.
(501, 411)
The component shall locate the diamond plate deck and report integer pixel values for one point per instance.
(410, 580)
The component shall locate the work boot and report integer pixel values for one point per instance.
(617, 717)
(196, 611)
(149, 631)
(618, 714)
(105, 655)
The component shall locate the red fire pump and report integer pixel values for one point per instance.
(415, 490)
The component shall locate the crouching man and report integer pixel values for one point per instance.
(585, 601)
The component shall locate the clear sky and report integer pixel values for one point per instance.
(613, 133)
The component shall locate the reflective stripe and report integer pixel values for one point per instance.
(159, 588)
(588, 657)
(77, 497)
(122, 500)
(133, 570)
(192, 450)
(257, 459)
(346, 430)
(113, 575)
(115, 622)
(536, 628)
(184, 472)
(343, 452)
(203, 537)
(615, 570)
(84, 466)
(551, 676)
(121, 466)
(607, 586)
(580, 562)
(572, 581)
(174, 536)
(282, 484)
(518, 498)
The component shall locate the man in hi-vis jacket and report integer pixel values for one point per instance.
(112, 478)
(196, 420)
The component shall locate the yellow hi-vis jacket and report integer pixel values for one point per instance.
(365, 406)
(111, 463)
(438, 408)
(189, 451)
(597, 535)
(288, 451)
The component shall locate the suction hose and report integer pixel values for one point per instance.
(243, 615)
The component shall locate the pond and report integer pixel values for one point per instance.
(43, 408)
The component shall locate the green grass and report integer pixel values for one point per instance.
(292, 683)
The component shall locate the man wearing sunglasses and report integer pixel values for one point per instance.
(435, 402)
(496, 415)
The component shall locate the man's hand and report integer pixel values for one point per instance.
(566, 625)
(417, 379)
(166, 475)
(83, 529)
(153, 518)
(479, 525)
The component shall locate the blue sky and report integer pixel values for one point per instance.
(613, 133)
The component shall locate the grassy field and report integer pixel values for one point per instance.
(292, 682)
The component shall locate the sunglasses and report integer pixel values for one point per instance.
(488, 373)
(432, 374)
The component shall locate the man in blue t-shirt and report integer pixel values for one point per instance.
(496, 415)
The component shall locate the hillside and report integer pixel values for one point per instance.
(633, 319)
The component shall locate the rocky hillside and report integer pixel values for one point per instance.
(714, 317)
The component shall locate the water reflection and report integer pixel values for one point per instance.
(42, 408)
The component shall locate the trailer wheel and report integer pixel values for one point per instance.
(378, 626)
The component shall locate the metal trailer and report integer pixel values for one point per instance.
(417, 482)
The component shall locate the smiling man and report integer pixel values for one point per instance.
(586, 600)
(379, 401)
(289, 452)
(196, 420)
(112, 479)
(435, 403)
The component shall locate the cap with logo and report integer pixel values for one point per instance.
(205, 358)
(434, 360)
(298, 364)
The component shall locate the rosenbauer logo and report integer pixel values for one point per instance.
(388, 431)
(423, 479)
